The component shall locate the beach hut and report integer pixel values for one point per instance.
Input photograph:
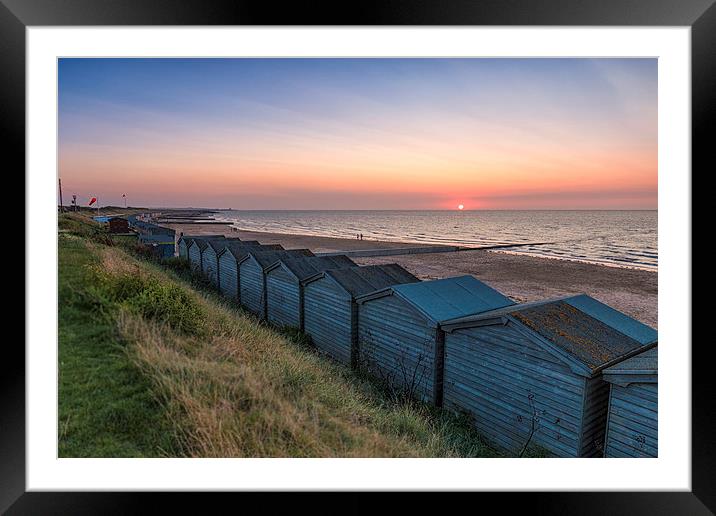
(531, 374)
(399, 334)
(284, 291)
(252, 279)
(195, 249)
(632, 422)
(330, 311)
(186, 240)
(228, 266)
(118, 225)
(162, 245)
(210, 250)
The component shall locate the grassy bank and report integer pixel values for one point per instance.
(152, 364)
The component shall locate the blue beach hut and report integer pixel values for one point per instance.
(229, 259)
(186, 240)
(330, 311)
(399, 334)
(632, 421)
(531, 374)
(284, 291)
(196, 248)
(252, 277)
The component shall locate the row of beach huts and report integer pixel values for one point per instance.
(571, 375)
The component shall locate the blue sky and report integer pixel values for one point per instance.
(361, 133)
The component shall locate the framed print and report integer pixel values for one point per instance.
(424, 247)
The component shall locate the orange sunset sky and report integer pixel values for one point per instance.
(360, 133)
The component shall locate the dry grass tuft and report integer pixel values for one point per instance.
(240, 389)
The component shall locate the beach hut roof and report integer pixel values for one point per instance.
(267, 258)
(241, 249)
(358, 281)
(194, 238)
(448, 298)
(305, 267)
(590, 332)
(645, 363)
(156, 238)
(203, 243)
(218, 244)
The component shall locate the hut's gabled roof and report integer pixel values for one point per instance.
(591, 333)
(358, 281)
(190, 238)
(448, 298)
(240, 250)
(197, 239)
(305, 267)
(646, 363)
(205, 242)
(218, 244)
(267, 258)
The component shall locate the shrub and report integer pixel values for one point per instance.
(178, 264)
(170, 304)
(149, 297)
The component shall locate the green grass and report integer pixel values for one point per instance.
(106, 404)
(154, 363)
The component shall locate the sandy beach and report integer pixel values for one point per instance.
(522, 278)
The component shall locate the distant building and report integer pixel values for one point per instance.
(118, 225)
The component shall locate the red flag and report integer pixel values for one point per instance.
(93, 200)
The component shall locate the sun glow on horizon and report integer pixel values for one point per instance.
(361, 133)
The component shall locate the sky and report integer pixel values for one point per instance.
(303, 134)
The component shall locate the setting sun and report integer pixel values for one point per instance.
(460, 207)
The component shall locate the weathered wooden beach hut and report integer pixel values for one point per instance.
(196, 247)
(118, 225)
(161, 245)
(210, 255)
(632, 420)
(330, 312)
(252, 277)
(229, 259)
(531, 374)
(186, 240)
(399, 335)
(284, 291)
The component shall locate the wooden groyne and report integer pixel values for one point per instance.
(397, 251)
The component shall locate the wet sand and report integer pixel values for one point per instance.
(522, 278)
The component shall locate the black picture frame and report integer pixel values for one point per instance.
(17, 15)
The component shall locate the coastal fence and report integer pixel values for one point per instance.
(552, 374)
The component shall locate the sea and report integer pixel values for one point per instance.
(616, 238)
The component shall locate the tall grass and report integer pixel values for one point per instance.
(231, 386)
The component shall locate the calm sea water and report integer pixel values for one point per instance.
(626, 238)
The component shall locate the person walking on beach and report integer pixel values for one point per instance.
(361, 236)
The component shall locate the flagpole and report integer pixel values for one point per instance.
(62, 207)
